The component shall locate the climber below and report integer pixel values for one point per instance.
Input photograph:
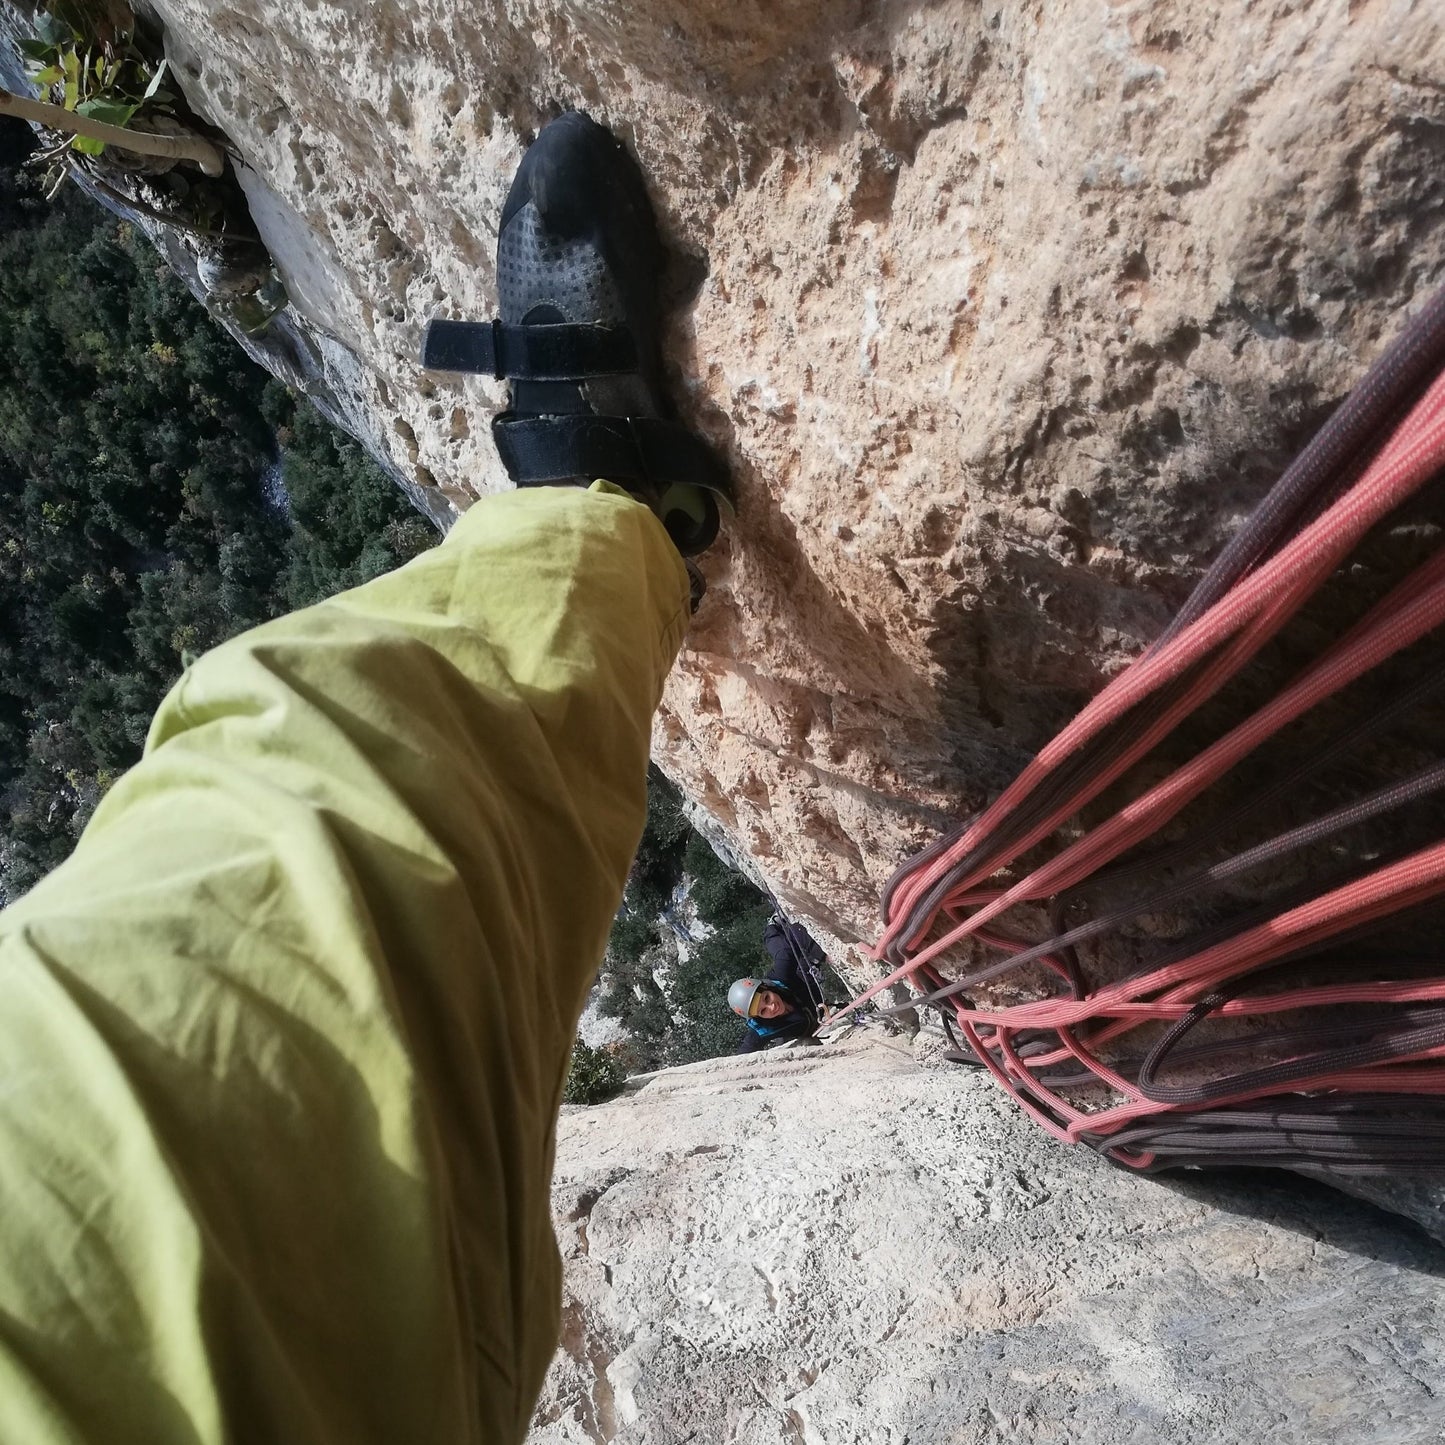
(787, 1003)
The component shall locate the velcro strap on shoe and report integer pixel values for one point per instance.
(561, 352)
(537, 450)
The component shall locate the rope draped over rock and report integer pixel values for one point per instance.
(1364, 1088)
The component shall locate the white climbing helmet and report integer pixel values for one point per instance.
(742, 995)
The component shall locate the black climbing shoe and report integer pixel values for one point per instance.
(578, 260)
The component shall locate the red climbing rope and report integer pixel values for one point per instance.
(1356, 1080)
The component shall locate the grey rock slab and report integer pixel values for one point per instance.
(840, 1246)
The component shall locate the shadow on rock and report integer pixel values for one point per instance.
(1315, 1210)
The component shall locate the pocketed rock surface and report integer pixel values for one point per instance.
(834, 1246)
(1004, 314)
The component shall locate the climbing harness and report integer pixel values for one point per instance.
(806, 969)
(1334, 1054)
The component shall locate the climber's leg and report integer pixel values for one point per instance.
(283, 1043)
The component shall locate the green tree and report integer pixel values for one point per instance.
(135, 529)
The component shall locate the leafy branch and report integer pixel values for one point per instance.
(96, 86)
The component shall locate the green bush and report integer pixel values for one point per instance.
(718, 892)
(594, 1075)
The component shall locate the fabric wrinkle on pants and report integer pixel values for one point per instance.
(285, 1039)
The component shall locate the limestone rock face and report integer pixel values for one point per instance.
(837, 1246)
(1004, 314)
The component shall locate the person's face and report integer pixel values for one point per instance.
(768, 1005)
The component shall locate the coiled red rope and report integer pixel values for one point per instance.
(1358, 1079)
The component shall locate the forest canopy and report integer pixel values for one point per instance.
(160, 493)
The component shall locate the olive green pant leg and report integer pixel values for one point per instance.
(282, 1045)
